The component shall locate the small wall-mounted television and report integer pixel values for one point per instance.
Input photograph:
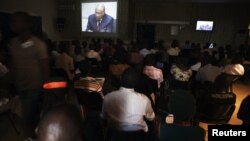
(204, 25)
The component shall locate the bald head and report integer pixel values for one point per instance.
(62, 123)
(99, 12)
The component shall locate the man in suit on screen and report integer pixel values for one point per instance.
(100, 21)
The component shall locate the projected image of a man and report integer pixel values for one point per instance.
(100, 21)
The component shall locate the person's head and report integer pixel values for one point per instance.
(62, 123)
(237, 59)
(78, 50)
(99, 12)
(174, 43)
(20, 22)
(130, 78)
(150, 60)
(85, 67)
(64, 47)
(182, 106)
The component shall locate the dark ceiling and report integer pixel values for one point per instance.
(200, 1)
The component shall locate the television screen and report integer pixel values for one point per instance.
(99, 16)
(204, 25)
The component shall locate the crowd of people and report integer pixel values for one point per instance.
(128, 78)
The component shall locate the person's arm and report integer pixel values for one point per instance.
(45, 70)
(89, 27)
(150, 115)
(43, 59)
(110, 26)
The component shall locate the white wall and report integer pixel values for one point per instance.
(44, 8)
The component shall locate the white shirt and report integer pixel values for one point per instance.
(173, 51)
(234, 69)
(125, 109)
(196, 66)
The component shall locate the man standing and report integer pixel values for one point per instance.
(29, 67)
(100, 21)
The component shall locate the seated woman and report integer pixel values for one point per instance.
(181, 74)
(182, 106)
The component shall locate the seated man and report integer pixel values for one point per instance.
(62, 123)
(126, 109)
(100, 21)
(179, 128)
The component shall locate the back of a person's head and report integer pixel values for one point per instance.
(130, 78)
(64, 46)
(20, 22)
(174, 43)
(222, 82)
(182, 106)
(149, 60)
(75, 42)
(237, 59)
(182, 62)
(92, 46)
(78, 50)
(85, 67)
(62, 123)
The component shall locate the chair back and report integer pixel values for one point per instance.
(216, 108)
(90, 99)
(116, 135)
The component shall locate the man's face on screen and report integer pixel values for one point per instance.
(99, 12)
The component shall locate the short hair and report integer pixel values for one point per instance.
(182, 105)
(130, 78)
(100, 6)
(62, 123)
(149, 60)
(23, 15)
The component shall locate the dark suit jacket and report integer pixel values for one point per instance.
(106, 25)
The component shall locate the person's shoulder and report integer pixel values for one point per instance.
(141, 97)
(109, 17)
(111, 94)
(92, 16)
(36, 39)
(38, 42)
(14, 42)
